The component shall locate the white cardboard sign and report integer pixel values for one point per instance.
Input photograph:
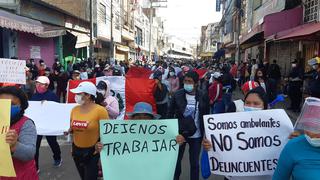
(12, 71)
(247, 143)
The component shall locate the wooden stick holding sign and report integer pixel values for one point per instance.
(246, 143)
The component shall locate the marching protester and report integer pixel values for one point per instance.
(314, 84)
(189, 105)
(44, 94)
(299, 160)
(274, 72)
(173, 81)
(85, 129)
(75, 75)
(264, 82)
(255, 100)
(108, 101)
(161, 95)
(22, 135)
(215, 94)
(295, 86)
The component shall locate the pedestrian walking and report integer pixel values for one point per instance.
(44, 94)
(85, 129)
(295, 86)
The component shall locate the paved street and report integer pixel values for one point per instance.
(68, 171)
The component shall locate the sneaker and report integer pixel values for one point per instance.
(57, 163)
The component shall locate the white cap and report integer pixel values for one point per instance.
(43, 80)
(85, 87)
(216, 75)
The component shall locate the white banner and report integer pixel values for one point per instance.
(50, 118)
(118, 84)
(247, 143)
(12, 71)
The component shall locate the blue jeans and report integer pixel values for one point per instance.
(194, 158)
(218, 107)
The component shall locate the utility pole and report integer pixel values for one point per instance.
(150, 33)
(91, 32)
(112, 43)
(152, 8)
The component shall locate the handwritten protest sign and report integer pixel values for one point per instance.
(12, 71)
(309, 117)
(246, 143)
(50, 118)
(139, 149)
(6, 165)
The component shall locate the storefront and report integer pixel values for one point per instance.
(122, 52)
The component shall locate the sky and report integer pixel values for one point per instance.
(184, 18)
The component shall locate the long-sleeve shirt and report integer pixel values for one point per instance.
(298, 160)
(215, 91)
(174, 84)
(47, 96)
(26, 145)
(112, 107)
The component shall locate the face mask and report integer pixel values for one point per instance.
(247, 109)
(41, 89)
(315, 67)
(172, 73)
(188, 87)
(294, 65)
(15, 110)
(78, 99)
(315, 142)
(103, 92)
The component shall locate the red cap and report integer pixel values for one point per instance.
(249, 86)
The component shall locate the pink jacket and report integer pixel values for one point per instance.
(174, 84)
(112, 104)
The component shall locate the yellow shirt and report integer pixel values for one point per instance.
(85, 126)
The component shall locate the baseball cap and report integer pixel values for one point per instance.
(85, 87)
(43, 80)
(249, 86)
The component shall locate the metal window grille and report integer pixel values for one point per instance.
(311, 10)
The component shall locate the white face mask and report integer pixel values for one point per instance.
(315, 142)
(315, 67)
(172, 73)
(103, 92)
(248, 108)
(78, 99)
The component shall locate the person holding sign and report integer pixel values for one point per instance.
(255, 100)
(44, 94)
(301, 156)
(108, 101)
(189, 105)
(85, 129)
(22, 135)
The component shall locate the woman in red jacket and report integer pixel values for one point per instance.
(215, 94)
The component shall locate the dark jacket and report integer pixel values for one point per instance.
(178, 105)
(47, 96)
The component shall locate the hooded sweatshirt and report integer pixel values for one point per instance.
(112, 104)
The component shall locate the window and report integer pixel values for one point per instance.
(311, 10)
(138, 37)
(256, 4)
(102, 14)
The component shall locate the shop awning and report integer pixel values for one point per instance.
(51, 31)
(19, 23)
(299, 32)
(83, 40)
(123, 48)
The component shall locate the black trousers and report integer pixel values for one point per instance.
(194, 154)
(86, 163)
(55, 148)
(295, 95)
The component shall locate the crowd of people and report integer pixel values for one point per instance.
(185, 90)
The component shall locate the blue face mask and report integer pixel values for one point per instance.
(15, 110)
(247, 109)
(188, 87)
(315, 142)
